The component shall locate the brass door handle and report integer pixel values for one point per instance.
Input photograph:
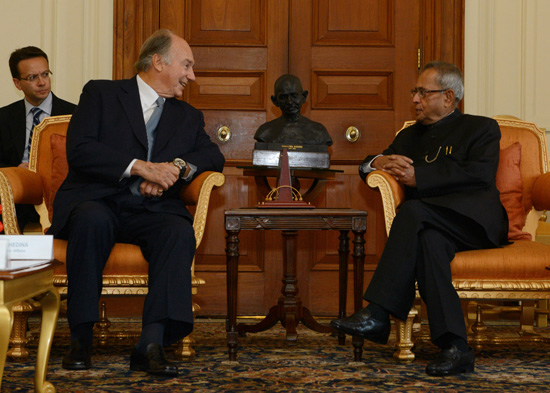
(352, 134)
(224, 134)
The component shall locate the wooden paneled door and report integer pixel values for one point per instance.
(357, 58)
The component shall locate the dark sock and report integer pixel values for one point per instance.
(151, 333)
(83, 332)
(378, 312)
(449, 339)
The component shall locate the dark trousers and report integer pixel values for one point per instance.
(167, 242)
(423, 241)
(26, 214)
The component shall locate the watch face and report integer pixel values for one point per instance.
(179, 162)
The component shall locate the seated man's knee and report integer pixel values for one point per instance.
(411, 211)
(92, 214)
(431, 235)
(178, 229)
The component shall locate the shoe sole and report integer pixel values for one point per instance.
(380, 339)
(462, 370)
(83, 367)
(165, 373)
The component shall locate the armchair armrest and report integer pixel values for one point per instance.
(541, 192)
(391, 191)
(197, 193)
(21, 186)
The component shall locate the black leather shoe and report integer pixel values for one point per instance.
(78, 357)
(451, 361)
(154, 361)
(362, 324)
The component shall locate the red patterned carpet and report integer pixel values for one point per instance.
(266, 363)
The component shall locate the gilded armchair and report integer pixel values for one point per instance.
(514, 272)
(126, 270)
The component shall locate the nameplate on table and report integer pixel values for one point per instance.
(25, 250)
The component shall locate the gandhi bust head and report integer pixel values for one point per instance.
(291, 127)
(289, 96)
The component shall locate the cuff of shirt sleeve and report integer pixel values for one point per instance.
(192, 171)
(128, 171)
(366, 166)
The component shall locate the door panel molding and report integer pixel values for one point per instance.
(333, 25)
(333, 89)
(226, 22)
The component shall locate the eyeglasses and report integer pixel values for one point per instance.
(422, 92)
(31, 78)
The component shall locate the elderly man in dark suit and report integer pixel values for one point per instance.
(31, 72)
(131, 145)
(447, 162)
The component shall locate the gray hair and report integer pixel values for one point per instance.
(449, 77)
(158, 43)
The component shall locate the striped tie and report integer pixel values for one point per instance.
(36, 113)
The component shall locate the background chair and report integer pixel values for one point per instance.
(518, 271)
(125, 273)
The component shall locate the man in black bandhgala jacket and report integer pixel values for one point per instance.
(447, 162)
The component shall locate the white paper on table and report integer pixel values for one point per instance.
(29, 247)
(3, 254)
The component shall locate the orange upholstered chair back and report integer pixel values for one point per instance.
(534, 151)
(48, 159)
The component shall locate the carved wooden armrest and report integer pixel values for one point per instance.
(197, 193)
(21, 186)
(541, 192)
(392, 193)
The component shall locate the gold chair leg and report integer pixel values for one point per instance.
(102, 327)
(184, 349)
(18, 351)
(542, 313)
(404, 344)
(527, 319)
(478, 329)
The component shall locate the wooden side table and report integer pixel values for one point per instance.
(289, 310)
(20, 285)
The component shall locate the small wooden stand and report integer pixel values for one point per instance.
(288, 197)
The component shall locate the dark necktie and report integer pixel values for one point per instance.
(36, 112)
(150, 128)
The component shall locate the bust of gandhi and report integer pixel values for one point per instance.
(291, 127)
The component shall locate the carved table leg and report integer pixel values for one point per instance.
(343, 251)
(232, 259)
(289, 304)
(358, 273)
(268, 322)
(5, 327)
(50, 311)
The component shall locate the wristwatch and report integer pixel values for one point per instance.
(181, 164)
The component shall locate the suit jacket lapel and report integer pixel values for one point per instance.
(131, 104)
(55, 106)
(172, 115)
(18, 127)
